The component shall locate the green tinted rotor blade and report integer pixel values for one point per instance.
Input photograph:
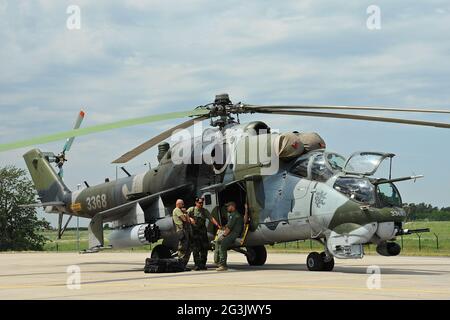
(70, 140)
(99, 128)
(155, 140)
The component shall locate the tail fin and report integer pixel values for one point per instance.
(48, 184)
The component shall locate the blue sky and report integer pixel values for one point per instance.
(134, 58)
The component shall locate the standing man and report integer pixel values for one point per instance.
(232, 230)
(199, 235)
(182, 225)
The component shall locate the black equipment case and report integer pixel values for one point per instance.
(153, 265)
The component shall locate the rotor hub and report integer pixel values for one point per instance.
(222, 99)
(223, 108)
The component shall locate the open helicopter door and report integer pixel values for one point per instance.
(216, 196)
(236, 191)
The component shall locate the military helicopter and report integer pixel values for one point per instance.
(294, 188)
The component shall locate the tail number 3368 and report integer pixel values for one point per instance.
(97, 202)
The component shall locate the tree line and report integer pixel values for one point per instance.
(422, 211)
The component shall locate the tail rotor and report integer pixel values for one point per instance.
(61, 157)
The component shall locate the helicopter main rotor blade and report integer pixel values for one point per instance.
(326, 107)
(352, 116)
(99, 128)
(155, 140)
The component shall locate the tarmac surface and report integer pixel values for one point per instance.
(284, 276)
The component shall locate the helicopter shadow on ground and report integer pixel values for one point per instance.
(245, 268)
(339, 269)
(31, 274)
(237, 268)
(110, 263)
(154, 276)
(141, 268)
(390, 269)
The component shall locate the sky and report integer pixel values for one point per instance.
(134, 58)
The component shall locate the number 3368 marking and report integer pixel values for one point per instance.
(97, 202)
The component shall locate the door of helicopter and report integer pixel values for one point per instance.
(215, 198)
(236, 191)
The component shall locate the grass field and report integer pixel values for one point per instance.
(429, 244)
(434, 243)
(69, 241)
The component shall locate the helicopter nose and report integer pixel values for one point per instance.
(389, 220)
(352, 213)
(384, 214)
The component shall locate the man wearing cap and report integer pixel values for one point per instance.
(182, 225)
(199, 236)
(231, 231)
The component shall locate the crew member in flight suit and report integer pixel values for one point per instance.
(182, 225)
(232, 230)
(199, 241)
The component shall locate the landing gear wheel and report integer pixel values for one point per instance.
(327, 265)
(256, 255)
(314, 262)
(161, 252)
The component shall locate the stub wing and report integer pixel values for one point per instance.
(120, 211)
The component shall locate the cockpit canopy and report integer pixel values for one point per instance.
(362, 190)
(352, 179)
(318, 165)
(356, 188)
(365, 163)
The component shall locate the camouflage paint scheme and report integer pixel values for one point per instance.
(283, 206)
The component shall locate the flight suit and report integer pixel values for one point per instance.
(220, 214)
(235, 224)
(199, 235)
(182, 230)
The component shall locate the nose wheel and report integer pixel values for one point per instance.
(319, 262)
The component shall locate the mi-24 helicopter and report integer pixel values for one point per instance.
(294, 188)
